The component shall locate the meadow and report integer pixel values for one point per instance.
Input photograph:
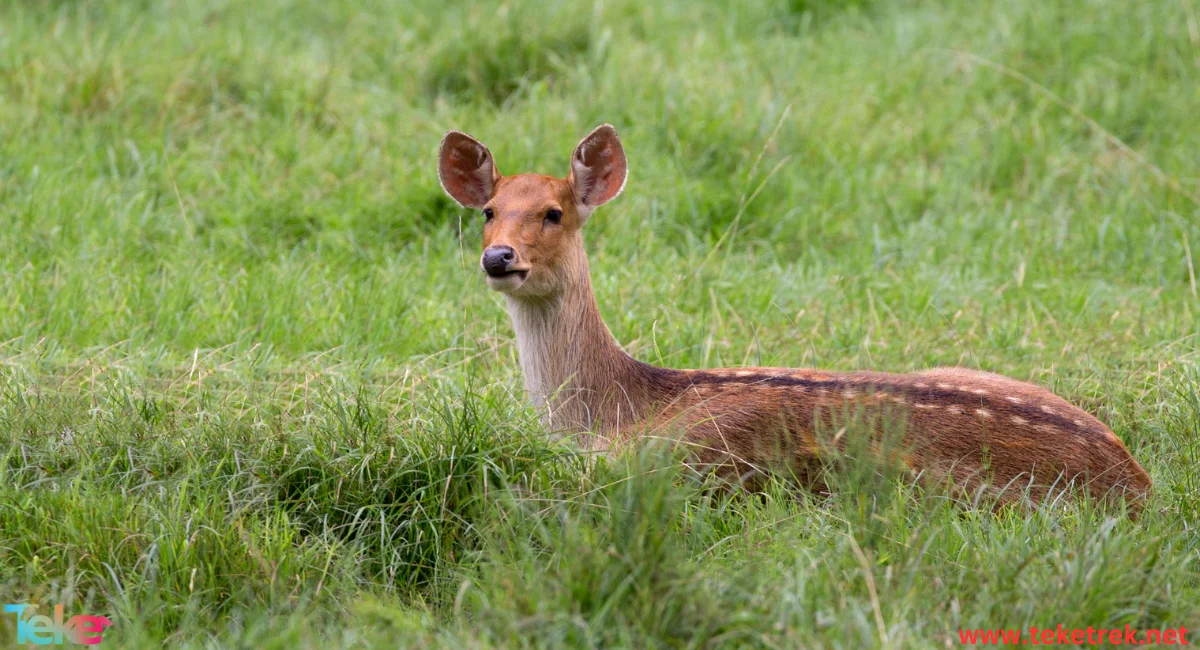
(254, 392)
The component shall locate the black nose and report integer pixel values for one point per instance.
(497, 259)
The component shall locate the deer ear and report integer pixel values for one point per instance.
(466, 170)
(598, 168)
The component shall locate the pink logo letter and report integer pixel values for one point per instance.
(88, 628)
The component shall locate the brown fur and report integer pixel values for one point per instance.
(974, 429)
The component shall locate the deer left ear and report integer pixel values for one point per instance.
(598, 168)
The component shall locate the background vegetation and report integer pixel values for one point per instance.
(253, 392)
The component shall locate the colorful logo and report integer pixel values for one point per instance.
(43, 630)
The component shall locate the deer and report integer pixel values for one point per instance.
(983, 433)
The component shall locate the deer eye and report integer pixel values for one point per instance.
(488, 214)
(554, 216)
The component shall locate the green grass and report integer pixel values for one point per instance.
(253, 392)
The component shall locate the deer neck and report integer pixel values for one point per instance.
(574, 369)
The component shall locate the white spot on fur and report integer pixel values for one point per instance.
(1019, 420)
(1014, 400)
(945, 386)
(921, 384)
(1078, 423)
(1047, 409)
(849, 394)
(979, 391)
(955, 409)
(924, 406)
(983, 413)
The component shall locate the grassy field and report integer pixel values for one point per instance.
(254, 392)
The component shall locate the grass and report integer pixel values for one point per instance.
(254, 394)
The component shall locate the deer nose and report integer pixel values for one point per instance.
(497, 259)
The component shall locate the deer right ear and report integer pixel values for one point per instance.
(466, 170)
(598, 168)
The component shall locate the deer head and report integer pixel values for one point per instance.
(532, 247)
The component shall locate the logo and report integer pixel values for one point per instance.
(43, 630)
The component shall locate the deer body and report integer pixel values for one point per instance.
(975, 429)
